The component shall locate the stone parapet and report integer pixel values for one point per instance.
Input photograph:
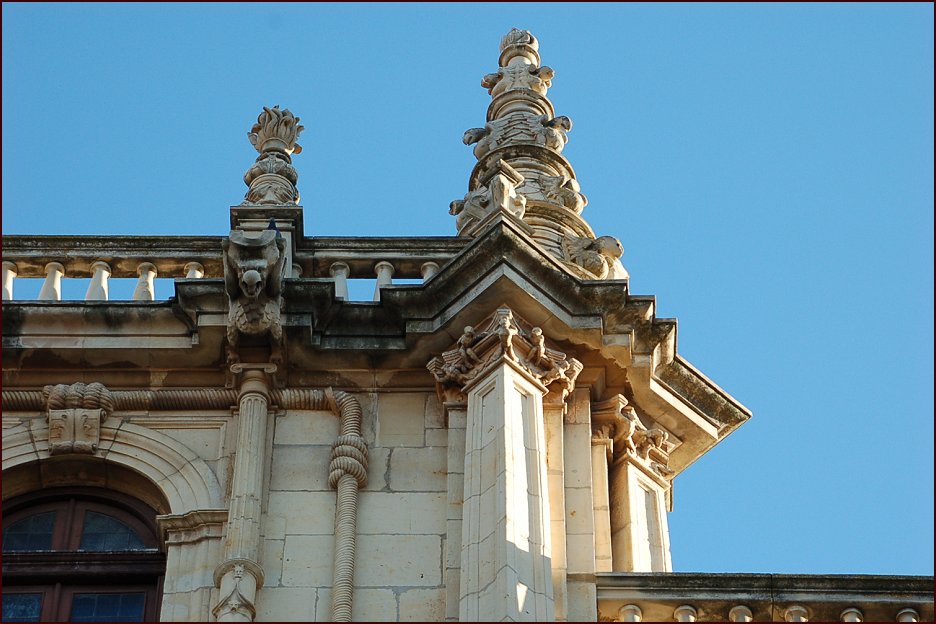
(655, 597)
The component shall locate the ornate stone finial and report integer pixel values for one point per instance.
(272, 179)
(503, 336)
(523, 133)
(75, 415)
(253, 277)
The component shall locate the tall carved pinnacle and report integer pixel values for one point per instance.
(272, 178)
(524, 135)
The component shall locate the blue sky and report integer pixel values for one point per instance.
(768, 169)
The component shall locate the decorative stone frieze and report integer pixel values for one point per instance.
(503, 337)
(75, 414)
(253, 276)
(272, 178)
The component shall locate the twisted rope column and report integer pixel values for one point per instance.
(347, 472)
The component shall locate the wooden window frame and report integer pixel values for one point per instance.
(60, 573)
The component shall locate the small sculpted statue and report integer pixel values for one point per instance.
(253, 274)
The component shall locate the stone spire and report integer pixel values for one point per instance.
(521, 169)
(272, 178)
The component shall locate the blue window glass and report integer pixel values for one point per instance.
(32, 533)
(108, 607)
(22, 607)
(106, 533)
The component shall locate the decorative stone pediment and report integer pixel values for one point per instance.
(504, 336)
(75, 415)
(616, 420)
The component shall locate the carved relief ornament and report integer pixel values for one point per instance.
(617, 421)
(253, 276)
(75, 415)
(503, 337)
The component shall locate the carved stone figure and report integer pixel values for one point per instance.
(75, 415)
(564, 191)
(595, 256)
(497, 192)
(503, 337)
(253, 274)
(272, 178)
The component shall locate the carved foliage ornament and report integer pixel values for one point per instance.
(502, 336)
(75, 415)
(519, 128)
(253, 276)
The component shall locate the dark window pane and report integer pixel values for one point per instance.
(32, 533)
(108, 607)
(103, 532)
(21, 607)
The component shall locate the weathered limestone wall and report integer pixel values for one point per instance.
(401, 521)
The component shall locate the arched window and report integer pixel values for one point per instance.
(80, 555)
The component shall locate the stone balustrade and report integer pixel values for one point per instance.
(696, 597)
(53, 259)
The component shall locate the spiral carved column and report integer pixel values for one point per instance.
(347, 472)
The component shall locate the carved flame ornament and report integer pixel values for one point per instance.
(272, 178)
(502, 337)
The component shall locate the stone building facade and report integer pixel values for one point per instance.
(495, 442)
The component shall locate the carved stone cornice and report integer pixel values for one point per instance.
(503, 338)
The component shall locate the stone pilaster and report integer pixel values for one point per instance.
(505, 569)
(240, 575)
(635, 475)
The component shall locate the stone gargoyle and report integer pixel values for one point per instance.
(253, 278)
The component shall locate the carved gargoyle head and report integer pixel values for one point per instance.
(253, 266)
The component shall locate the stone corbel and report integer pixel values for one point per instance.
(75, 414)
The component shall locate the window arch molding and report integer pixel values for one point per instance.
(184, 479)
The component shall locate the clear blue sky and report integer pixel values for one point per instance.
(768, 168)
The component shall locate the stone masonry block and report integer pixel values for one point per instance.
(308, 560)
(282, 604)
(398, 561)
(306, 513)
(418, 469)
(401, 512)
(299, 467)
(422, 605)
(401, 419)
(306, 427)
